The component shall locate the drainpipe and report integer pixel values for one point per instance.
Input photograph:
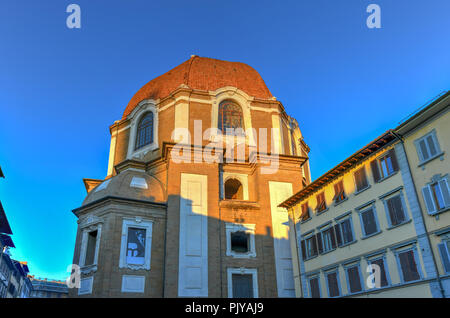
(427, 235)
(297, 250)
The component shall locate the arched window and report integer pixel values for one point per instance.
(230, 116)
(233, 190)
(144, 134)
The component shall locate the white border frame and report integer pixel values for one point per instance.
(247, 228)
(242, 178)
(124, 277)
(241, 271)
(89, 289)
(91, 224)
(241, 99)
(141, 224)
(144, 107)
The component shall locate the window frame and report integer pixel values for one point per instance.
(339, 287)
(378, 165)
(242, 271)
(361, 221)
(429, 187)
(303, 213)
(445, 243)
(342, 193)
(242, 178)
(412, 249)
(360, 276)
(325, 207)
(439, 152)
(247, 228)
(311, 237)
(363, 167)
(139, 124)
(339, 222)
(316, 276)
(321, 231)
(220, 115)
(389, 196)
(143, 108)
(381, 257)
(89, 225)
(139, 223)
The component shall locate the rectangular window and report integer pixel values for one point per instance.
(368, 222)
(339, 194)
(345, 231)
(444, 250)
(242, 285)
(408, 266)
(136, 246)
(90, 250)
(396, 210)
(384, 166)
(305, 212)
(309, 247)
(382, 271)
(354, 279)
(321, 205)
(333, 284)
(314, 287)
(135, 249)
(327, 240)
(437, 196)
(240, 242)
(361, 179)
(427, 147)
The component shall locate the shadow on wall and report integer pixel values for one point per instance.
(231, 252)
(235, 251)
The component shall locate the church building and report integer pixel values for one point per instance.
(198, 164)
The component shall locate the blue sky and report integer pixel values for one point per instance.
(60, 88)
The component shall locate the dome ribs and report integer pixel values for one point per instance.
(205, 74)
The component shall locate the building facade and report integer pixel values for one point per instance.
(14, 282)
(425, 137)
(199, 163)
(361, 230)
(45, 288)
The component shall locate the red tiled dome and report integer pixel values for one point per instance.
(203, 74)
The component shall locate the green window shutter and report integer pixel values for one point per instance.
(303, 246)
(431, 145)
(443, 184)
(427, 196)
(375, 171)
(424, 150)
(393, 159)
(444, 257)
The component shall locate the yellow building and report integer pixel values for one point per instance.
(359, 228)
(426, 141)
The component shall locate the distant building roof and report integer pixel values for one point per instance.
(6, 240)
(40, 284)
(341, 168)
(4, 224)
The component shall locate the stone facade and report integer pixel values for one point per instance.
(183, 206)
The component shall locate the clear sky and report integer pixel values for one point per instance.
(60, 88)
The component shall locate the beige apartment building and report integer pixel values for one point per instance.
(426, 138)
(376, 225)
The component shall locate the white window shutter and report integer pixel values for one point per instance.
(444, 256)
(443, 184)
(431, 207)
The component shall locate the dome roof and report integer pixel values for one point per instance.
(129, 184)
(203, 74)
